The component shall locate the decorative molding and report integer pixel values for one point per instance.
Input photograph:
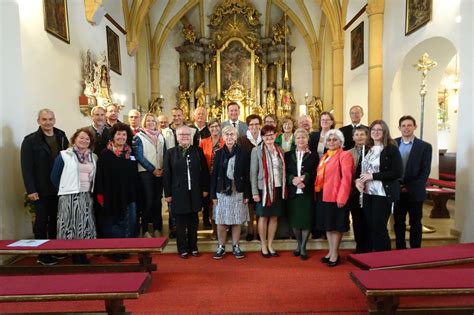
(115, 23)
(358, 14)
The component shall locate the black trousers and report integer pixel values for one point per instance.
(407, 205)
(377, 211)
(206, 205)
(186, 232)
(359, 223)
(151, 194)
(45, 226)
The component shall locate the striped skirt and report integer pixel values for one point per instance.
(76, 217)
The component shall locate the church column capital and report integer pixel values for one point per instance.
(279, 63)
(263, 66)
(207, 66)
(191, 65)
(375, 7)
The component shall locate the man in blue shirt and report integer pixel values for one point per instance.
(416, 156)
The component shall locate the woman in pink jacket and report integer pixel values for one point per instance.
(332, 187)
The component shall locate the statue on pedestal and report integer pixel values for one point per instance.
(183, 102)
(156, 106)
(287, 103)
(270, 106)
(314, 107)
(200, 95)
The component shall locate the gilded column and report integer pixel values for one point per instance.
(191, 66)
(375, 11)
(154, 82)
(279, 82)
(338, 76)
(207, 68)
(263, 67)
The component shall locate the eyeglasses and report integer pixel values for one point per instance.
(376, 130)
(256, 124)
(269, 135)
(332, 140)
(184, 134)
(229, 134)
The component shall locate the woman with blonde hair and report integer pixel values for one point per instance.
(149, 149)
(286, 140)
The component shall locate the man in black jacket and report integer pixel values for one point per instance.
(38, 151)
(356, 112)
(416, 156)
(186, 183)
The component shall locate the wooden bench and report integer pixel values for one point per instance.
(113, 288)
(383, 288)
(144, 247)
(440, 191)
(415, 258)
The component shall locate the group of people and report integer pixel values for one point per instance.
(110, 180)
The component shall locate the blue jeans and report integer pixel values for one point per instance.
(122, 226)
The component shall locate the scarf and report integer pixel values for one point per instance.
(252, 140)
(319, 182)
(269, 189)
(226, 188)
(152, 134)
(82, 157)
(124, 153)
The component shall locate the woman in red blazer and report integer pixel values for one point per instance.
(332, 187)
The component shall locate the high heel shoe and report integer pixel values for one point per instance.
(334, 263)
(324, 260)
(273, 254)
(267, 255)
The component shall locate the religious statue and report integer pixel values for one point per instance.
(188, 33)
(200, 95)
(156, 106)
(280, 30)
(215, 111)
(102, 81)
(270, 107)
(183, 102)
(287, 103)
(314, 108)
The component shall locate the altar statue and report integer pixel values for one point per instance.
(200, 95)
(315, 108)
(102, 83)
(183, 103)
(215, 111)
(271, 100)
(287, 103)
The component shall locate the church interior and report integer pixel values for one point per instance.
(282, 57)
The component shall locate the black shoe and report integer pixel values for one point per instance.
(304, 257)
(60, 256)
(273, 254)
(125, 256)
(334, 263)
(116, 257)
(324, 260)
(249, 237)
(220, 252)
(195, 253)
(267, 255)
(296, 253)
(237, 252)
(184, 255)
(47, 260)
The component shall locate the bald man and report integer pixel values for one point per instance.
(356, 112)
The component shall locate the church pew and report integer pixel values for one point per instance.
(144, 247)
(383, 288)
(415, 258)
(113, 288)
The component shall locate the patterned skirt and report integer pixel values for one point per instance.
(76, 217)
(231, 209)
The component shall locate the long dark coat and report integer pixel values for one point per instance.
(308, 168)
(175, 179)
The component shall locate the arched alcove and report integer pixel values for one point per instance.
(405, 93)
(356, 94)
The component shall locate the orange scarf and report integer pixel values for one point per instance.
(319, 182)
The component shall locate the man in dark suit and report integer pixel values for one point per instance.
(200, 116)
(233, 112)
(416, 156)
(98, 129)
(38, 151)
(356, 112)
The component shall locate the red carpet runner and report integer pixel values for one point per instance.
(250, 285)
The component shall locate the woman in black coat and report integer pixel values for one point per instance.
(301, 166)
(382, 169)
(185, 183)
